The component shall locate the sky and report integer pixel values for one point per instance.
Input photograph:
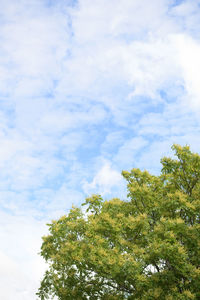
(88, 88)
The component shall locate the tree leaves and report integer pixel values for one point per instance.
(144, 248)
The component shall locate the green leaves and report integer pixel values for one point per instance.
(94, 204)
(184, 173)
(144, 248)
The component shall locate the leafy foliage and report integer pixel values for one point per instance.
(145, 248)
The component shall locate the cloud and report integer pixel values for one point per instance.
(20, 266)
(104, 181)
(189, 59)
(129, 151)
(101, 20)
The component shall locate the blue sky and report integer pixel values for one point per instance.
(87, 88)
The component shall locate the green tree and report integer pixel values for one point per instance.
(147, 247)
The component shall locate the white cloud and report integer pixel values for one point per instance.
(129, 151)
(189, 58)
(100, 19)
(11, 272)
(104, 181)
(34, 41)
(21, 268)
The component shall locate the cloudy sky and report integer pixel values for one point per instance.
(87, 88)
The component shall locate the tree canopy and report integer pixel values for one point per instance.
(145, 247)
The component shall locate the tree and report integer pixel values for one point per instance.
(147, 247)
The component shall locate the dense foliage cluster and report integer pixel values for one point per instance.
(147, 247)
